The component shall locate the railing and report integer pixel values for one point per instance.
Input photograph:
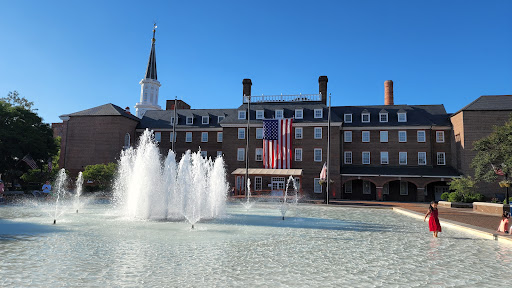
(283, 98)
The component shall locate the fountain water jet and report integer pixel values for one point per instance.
(79, 187)
(60, 184)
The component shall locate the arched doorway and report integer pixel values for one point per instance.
(434, 190)
(359, 190)
(400, 190)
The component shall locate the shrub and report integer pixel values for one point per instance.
(444, 196)
(454, 197)
(509, 200)
(473, 197)
(101, 174)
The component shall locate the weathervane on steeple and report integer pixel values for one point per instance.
(154, 30)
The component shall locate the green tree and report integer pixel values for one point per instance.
(101, 174)
(15, 99)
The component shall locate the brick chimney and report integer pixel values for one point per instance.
(322, 88)
(388, 92)
(247, 87)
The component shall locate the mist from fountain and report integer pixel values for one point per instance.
(79, 188)
(285, 206)
(248, 204)
(193, 189)
(60, 185)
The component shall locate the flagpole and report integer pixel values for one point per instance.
(247, 146)
(174, 126)
(328, 150)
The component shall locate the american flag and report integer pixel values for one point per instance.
(277, 146)
(497, 170)
(323, 173)
(30, 162)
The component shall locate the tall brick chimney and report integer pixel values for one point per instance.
(388, 92)
(322, 88)
(247, 87)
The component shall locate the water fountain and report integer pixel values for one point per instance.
(193, 189)
(59, 191)
(248, 204)
(79, 187)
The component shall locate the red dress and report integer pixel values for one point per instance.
(433, 221)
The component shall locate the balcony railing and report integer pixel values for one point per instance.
(283, 98)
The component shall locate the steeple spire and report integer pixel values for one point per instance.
(151, 70)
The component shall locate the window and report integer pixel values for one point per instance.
(158, 136)
(241, 133)
(404, 188)
(365, 117)
(318, 132)
(241, 114)
(172, 120)
(188, 137)
(126, 141)
(259, 133)
(279, 114)
(318, 155)
(190, 120)
(240, 154)
(348, 157)
(318, 187)
(297, 183)
(440, 136)
(384, 158)
(365, 136)
(298, 133)
(402, 158)
(348, 187)
(385, 189)
(171, 138)
(402, 136)
(220, 118)
(319, 113)
(204, 136)
(383, 117)
(421, 136)
(367, 187)
(347, 118)
(366, 157)
(204, 154)
(258, 183)
(383, 136)
(348, 136)
(402, 117)
(298, 154)
(422, 158)
(260, 114)
(219, 136)
(299, 113)
(219, 153)
(205, 120)
(259, 154)
(441, 159)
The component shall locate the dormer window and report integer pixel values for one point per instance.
(190, 120)
(299, 113)
(172, 120)
(260, 114)
(383, 117)
(279, 114)
(319, 113)
(347, 118)
(402, 117)
(220, 118)
(365, 117)
(241, 114)
(205, 120)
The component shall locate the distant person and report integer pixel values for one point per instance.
(47, 189)
(433, 221)
(504, 223)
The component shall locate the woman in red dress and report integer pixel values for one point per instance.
(433, 221)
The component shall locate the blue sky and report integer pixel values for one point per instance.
(68, 56)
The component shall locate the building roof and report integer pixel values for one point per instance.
(104, 110)
(408, 171)
(269, 172)
(162, 118)
(151, 70)
(489, 103)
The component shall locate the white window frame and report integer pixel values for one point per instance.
(298, 135)
(385, 189)
(348, 187)
(443, 154)
(367, 184)
(363, 134)
(380, 117)
(203, 118)
(203, 138)
(242, 114)
(440, 136)
(220, 137)
(172, 120)
(240, 154)
(258, 152)
(317, 129)
(204, 154)
(219, 153)
(405, 138)
(260, 114)
(404, 188)
(384, 136)
(241, 133)
(382, 157)
(369, 157)
(220, 118)
(424, 136)
(258, 183)
(319, 113)
(279, 114)
(400, 154)
(190, 120)
(298, 154)
(315, 154)
(187, 138)
(299, 113)
(317, 187)
(347, 136)
(170, 137)
(158, 136)
(402, 114)
(347, 158)
(349, 119)
(259, 133)
(362, 117)
(424, 158)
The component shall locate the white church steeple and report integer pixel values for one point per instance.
(149, 85)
